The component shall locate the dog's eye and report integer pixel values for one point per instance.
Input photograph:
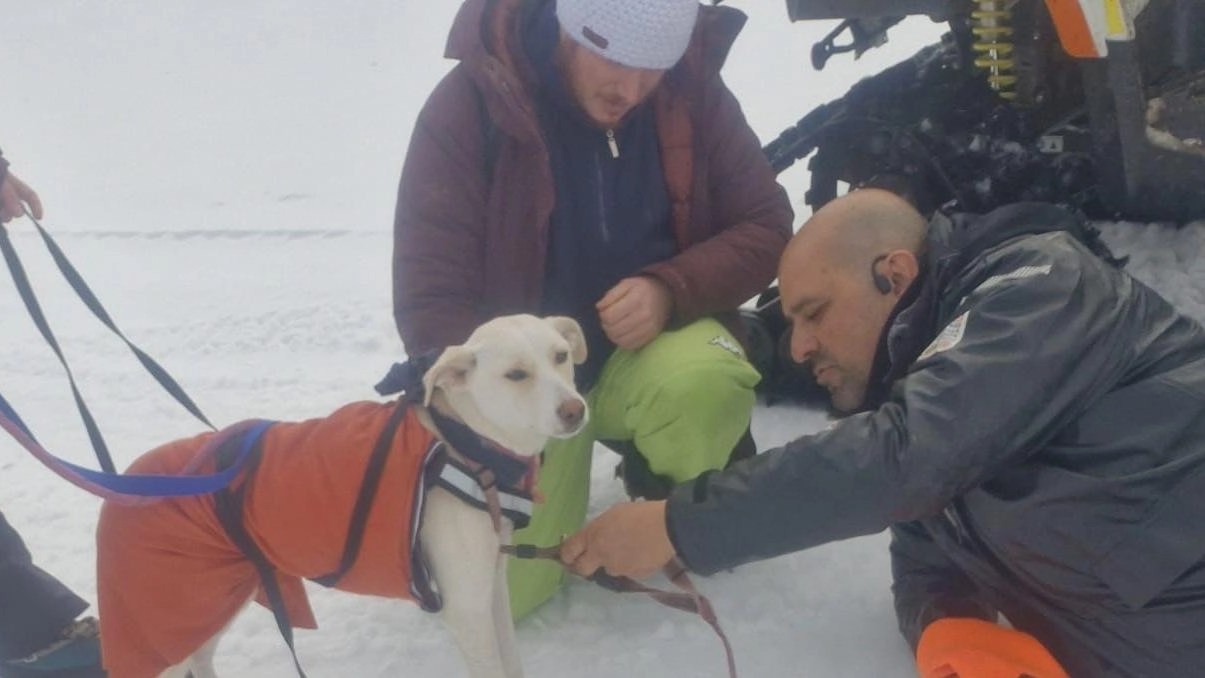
(561, 357)
(517, 375)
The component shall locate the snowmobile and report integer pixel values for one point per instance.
(1095, 104)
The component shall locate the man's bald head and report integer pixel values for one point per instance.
(839, 280)
(857, 227)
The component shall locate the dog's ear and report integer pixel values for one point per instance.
(450, 371)
(568, 328)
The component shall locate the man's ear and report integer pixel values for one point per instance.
(901, 268)
(568, 328)
(449, 372)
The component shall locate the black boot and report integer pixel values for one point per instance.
(639, 480)
(744, 449)
(74, 654)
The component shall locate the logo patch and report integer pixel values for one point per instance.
(948, 338)
(598, 40)
(727, 344)
(1019, 274)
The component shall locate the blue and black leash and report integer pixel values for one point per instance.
(234, 450)
(106, 482)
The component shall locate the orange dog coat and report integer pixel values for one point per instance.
(169, 578)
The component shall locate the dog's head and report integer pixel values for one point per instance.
(512, 381)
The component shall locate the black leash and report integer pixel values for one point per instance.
(229, 505)
(21, 280)
(368, 492)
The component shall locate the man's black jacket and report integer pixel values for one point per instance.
(1039, 450)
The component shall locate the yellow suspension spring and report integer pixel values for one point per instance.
(993, 45)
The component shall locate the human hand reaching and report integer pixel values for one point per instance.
(14, 194)
(629, 540)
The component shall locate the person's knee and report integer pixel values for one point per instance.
(692, 421)
(702, 392)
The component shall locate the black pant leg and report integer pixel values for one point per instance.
(34, 606)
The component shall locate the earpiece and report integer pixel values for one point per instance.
(881, 283)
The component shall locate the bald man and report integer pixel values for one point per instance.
(1026, 418)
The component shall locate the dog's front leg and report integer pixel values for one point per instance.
(504, 626)
(462, 549)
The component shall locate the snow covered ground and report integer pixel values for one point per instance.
(224, 178)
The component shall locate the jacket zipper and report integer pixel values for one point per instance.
(954, 518)
(612, 143)
(603, 229)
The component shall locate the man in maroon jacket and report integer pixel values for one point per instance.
(585, 158)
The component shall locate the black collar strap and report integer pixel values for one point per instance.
(407, 377)
(464, 482)
(514, 473)
(511, 470)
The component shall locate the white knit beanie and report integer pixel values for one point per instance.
(638, 33)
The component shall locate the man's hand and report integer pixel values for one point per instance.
(635, 311)
(629, 540)
(14, 193)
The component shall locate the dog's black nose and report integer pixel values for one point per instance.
(571, 412)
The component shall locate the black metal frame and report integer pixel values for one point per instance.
(1077, 132)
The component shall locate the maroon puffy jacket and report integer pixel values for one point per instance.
(469, 247)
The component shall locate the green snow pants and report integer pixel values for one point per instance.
(684, 400)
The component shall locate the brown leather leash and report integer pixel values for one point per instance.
(687, 600)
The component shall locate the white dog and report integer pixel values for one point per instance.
(171, 576)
